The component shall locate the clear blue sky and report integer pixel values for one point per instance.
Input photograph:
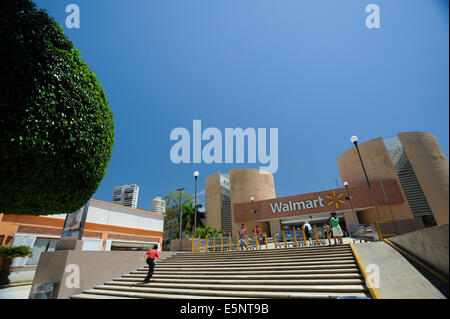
(310, 68)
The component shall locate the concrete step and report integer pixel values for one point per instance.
(279, 276)
(303, 292)
(85, 295)
(111, 294)
(251, 287)
(266, 252)
(130, 281)
(295, 270)
(254, 260)
(273, 263)
(331, 265)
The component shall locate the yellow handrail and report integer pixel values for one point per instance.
(379, 230)
(214, 242)
(247, 239)
(275, 238)
(284, 238)
(295, 238)
(237, 242)
(221, 242)
(329, 237)
(304, 237)
(265, 238)
(229, 239)
(199, 243)
(256, 239)
(317, 237)
(192, 241)
(206, 243)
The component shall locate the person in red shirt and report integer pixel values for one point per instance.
(242, 232)
(152, 254)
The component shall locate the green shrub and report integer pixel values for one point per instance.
(56, 126)
(7, 252)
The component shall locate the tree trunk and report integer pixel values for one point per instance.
(5, 265)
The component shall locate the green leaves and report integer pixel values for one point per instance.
(7, 252)
(56, 126)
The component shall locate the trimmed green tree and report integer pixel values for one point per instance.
(7, 253)
(56, 126)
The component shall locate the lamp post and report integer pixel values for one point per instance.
(354, 140)
(180, 190)
(254, 214)
(253, 210)
(350, 199)
(196, 173)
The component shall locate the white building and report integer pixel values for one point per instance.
(158, 205)
(126, 195)
(108, 227)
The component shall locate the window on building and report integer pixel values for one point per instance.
(41, 245)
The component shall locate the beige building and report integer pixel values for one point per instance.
(223, 191)
(417, 162)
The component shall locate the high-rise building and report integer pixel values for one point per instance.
(126, 195)
(158, 205)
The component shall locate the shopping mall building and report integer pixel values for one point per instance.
(409, 178)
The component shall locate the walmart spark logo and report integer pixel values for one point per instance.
(335, 200)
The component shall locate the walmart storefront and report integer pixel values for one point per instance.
(408, 177)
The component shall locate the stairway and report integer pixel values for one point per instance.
(308, 272)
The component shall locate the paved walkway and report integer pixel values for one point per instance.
(399, 278)
(20, 292)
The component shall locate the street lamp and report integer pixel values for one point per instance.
(180, 190)
(354, 140)
(350, 199)
(196, 173)
(254, 213)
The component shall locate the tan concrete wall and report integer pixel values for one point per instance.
(246, 183)
(213, 203)
(429, 245)
(379, 167)
(432, 171)
(95, 268)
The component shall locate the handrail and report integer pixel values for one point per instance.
(304, 237)
(295, 238)
(276, 241)
(434, 272)
(284, 239)
(380, 234)
(265, 238)
(317, 237)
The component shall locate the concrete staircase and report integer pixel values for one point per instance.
(308, 272)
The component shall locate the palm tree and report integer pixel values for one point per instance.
(188, 217)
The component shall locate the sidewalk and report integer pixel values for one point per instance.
(20, 292)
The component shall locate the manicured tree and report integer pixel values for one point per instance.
(56, 126)
(7, 253)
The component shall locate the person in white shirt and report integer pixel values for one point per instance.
(308, 231)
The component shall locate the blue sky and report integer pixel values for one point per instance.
(310, 68)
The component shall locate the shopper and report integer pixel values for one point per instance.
(259, 235)
(242, 232)
(308, 231)
(337, 231)
(151, 255)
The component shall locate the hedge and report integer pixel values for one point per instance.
(56, 126)
(7, 252)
